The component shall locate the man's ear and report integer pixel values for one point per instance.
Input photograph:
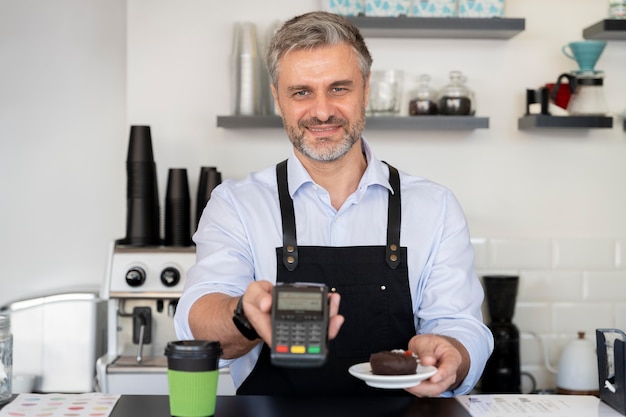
(275, 95)
(366, 90)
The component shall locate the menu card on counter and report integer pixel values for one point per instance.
(53, 405)
(514, 405)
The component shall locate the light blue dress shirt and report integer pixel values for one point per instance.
(240, 230)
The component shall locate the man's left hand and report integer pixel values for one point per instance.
(450, 358)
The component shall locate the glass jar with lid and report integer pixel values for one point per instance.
(423, 99)
(6, 358)
(456, 99)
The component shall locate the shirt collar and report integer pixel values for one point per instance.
(376, 172)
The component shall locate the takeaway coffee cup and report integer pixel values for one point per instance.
(192, 373)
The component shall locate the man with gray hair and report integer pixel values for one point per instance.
(393, 248)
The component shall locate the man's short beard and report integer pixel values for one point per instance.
(329, 154)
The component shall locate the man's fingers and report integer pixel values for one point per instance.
(336, 320)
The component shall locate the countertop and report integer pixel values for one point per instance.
(263, 406)
(495, 405)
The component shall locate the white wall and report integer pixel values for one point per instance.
(63, 135)
(566, 286)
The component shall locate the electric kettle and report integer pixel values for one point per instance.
(578, 368)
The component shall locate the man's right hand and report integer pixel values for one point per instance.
(211, 318)
(257, 305)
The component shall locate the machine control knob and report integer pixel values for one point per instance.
(135, 276)
(170, 276)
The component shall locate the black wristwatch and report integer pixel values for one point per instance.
(242, 322)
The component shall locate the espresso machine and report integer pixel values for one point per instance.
(145, 276)
(142, 287)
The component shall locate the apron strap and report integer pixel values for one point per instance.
(290, 245)
(394, 210)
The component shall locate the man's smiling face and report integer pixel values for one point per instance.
(322, 99)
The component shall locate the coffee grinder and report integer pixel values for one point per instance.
(502, 373)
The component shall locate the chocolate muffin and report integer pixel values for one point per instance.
(393, 363)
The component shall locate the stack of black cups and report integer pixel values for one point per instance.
(142, 195)
(143, 226)
(210, 178)
(177, 209)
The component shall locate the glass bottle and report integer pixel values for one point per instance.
(455, 99)
(6, 358)
(424, 98)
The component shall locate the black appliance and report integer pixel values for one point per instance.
(502, 373)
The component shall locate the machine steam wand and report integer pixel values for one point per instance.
(142, 328)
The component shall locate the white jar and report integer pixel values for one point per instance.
(617, 9)
(6, 358)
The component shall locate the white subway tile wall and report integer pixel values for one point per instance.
(566, 286)
(528, 254)
(586, 254)
(620, 316)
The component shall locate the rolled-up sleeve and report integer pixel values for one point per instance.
(449, 294)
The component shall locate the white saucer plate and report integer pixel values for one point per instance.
(363, 371)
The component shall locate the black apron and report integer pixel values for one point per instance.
(373, 282)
